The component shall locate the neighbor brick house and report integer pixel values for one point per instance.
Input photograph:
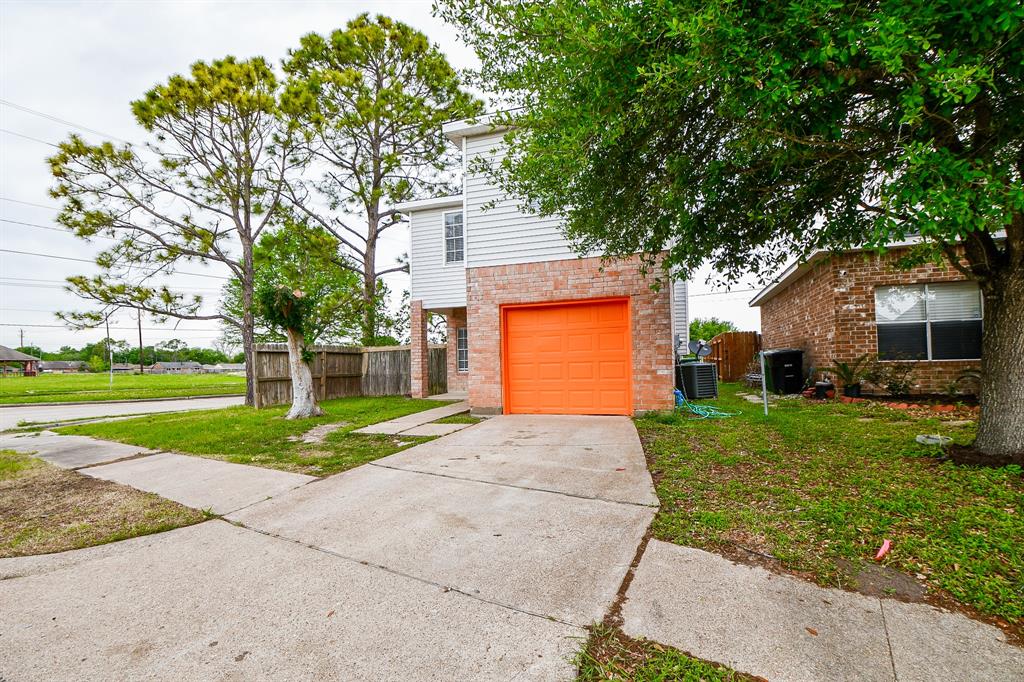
(839, 307)
(532, 327)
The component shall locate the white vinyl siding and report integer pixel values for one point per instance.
(497, 231)
(437, 284)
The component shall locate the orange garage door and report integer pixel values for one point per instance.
(568, 358)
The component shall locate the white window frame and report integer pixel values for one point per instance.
(928, 323)
(461, 349)
(444, 237)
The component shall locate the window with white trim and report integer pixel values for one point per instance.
(929, 321)
(461, 349)
(454, 244)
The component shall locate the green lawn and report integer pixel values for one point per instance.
(45, 509)
(610, 655)
(261, 437)
(814, 483)
(47, 388)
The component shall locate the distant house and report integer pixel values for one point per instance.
(229, 367)
(187, 367)
(27, 365)
(61, 366)
(123, 368)
(841, 306)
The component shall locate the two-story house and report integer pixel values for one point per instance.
(532, 327)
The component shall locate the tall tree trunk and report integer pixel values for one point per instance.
(370, 280)
(1001, 424)
(303, 390)
(248, 323)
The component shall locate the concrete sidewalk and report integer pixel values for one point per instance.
(790, 630)
(221, 487)
(70, 452)
(409, 423)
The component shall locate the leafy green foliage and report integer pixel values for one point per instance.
(299, 258)
(373, 97)
(850, 373)
(815, 483)
(746, 134)
(709, 328)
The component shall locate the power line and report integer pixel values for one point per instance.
(57, 119)
(150, 329)
(86, 260)
(29, 203)
(29, 137)
(722, 293)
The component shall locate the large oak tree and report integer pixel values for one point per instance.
(745, 134)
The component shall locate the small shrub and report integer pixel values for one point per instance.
(895, 377)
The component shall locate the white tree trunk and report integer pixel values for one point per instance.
(304, 402)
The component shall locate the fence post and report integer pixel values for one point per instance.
(323, 374)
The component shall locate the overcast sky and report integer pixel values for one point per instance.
(82, 63)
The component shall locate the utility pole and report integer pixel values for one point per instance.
(142, 366)
(21, 335)
(110, 352)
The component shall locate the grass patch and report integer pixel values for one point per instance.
(464, 418)
(55, 388)
(45, 509)
(817, 483)
(264, 438)
(608, 654)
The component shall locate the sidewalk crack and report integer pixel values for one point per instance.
(888, 641)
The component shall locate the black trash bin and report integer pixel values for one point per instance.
(784, 370)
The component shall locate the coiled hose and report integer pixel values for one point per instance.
(700, 411)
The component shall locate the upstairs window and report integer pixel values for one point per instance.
(454, 243)
(462, 349)
(929, 321)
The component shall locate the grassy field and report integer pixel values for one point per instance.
(817, 487)
(55, 388)
(45, 509)
(264, 438)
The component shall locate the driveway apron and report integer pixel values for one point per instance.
(477, 556)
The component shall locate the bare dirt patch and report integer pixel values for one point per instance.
(44, 509)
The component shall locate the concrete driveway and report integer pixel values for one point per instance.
(477, 556)
(12, 415)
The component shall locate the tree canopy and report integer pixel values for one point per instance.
(747, 134)
(372, 97)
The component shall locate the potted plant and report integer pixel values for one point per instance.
(849, 374)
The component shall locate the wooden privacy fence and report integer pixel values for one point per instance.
(732, 352)
(346, 371)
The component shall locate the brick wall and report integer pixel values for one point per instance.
(803, 316)
(490, 287)
(457, 381)
(838, 296)
(419, 363)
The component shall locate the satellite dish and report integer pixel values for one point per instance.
(700, 348)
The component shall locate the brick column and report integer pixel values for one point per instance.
(457, 381)
(420, 384)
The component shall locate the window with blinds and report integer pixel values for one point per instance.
(929, 321)
(454, 244)
(461, 349)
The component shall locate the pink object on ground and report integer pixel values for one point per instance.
(883, 550)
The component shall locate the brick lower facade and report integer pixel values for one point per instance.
(829, 312)
(488, 288)
(419, 362)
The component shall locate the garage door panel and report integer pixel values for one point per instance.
(568, 358)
